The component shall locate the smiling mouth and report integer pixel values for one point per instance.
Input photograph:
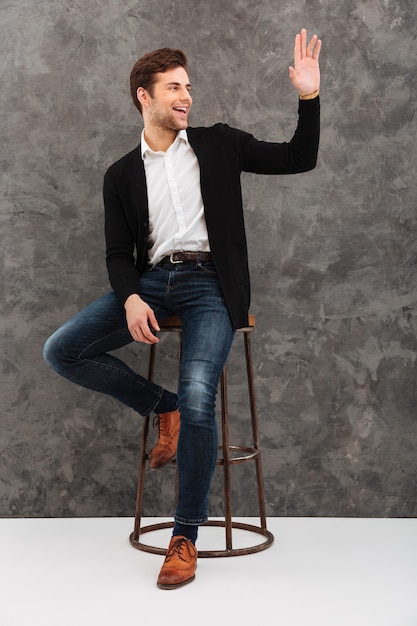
(181, 109)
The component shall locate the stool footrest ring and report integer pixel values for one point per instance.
(269, 539)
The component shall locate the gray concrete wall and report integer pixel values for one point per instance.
(332, 252)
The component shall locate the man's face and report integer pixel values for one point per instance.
(170, 102)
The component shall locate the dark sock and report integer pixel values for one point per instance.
(186, 530)
(167, 403)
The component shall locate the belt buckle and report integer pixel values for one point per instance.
(171, 258)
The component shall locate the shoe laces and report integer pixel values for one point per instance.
(181, 547)
(164, 425)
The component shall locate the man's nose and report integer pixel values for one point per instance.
(186, 96)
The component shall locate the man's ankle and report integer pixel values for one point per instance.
(185, 530)
(167, 404)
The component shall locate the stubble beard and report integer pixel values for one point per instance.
(167, 122)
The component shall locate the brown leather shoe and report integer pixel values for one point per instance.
(166, 446)
(179, 565)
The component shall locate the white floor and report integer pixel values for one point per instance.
(324, 572)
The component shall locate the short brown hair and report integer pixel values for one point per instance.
(144, 70)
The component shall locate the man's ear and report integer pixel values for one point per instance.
(142, 96)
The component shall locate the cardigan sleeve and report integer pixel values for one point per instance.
(297, 155)
(120, 242)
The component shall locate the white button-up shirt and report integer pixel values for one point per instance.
(176, 210)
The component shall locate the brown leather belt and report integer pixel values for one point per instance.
(195, 257)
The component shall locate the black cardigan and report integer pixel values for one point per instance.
(223, 153)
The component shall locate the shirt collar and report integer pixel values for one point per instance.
(144, 147)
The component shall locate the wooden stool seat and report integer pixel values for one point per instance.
(230, 455)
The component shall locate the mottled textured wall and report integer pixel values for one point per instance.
(332, 252)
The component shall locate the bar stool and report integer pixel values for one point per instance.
(230, 455)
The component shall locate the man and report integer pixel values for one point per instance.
(175, 244)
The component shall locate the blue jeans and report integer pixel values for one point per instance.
(79, 351)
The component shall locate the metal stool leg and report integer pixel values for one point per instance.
(255, 430)
(142, 458)
(225, 447)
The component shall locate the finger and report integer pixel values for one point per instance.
(310, 47)
(150, 341)
(136, 334)
(297, 49)
(153, 321)
(303, 41)
(316, 52)
(143, 336)
(147, 335)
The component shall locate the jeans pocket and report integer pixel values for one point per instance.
(207, 267)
